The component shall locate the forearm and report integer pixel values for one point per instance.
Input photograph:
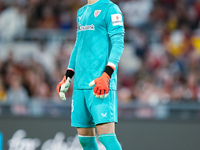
(117, 42)
(73, 58)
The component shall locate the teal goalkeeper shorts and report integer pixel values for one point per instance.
(87, 111)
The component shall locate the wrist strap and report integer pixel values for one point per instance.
(109, 70)
(69, 73)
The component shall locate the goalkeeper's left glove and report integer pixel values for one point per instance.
(63, 86)
(102, 83)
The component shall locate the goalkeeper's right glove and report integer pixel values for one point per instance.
(63, 86)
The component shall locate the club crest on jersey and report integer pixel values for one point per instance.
(97, 12)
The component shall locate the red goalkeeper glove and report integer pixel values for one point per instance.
(102, 83)
(64, 84)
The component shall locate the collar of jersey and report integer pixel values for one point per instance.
(94, 3)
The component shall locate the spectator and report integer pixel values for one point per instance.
(3, 95)
(16, 92)
(12, 22)
(48, 20)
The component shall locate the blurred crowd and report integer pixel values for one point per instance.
(22, 80)
(162, 35)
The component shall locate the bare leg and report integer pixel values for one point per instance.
(87, 138)
(86, 131)
(105, 128)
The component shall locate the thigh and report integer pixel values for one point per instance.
(86, 131)
(102, 110)
(80, 115)
(105, 128)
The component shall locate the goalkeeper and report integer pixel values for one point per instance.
(93, 62)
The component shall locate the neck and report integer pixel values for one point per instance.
(90, 2)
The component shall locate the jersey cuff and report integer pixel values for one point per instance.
(112, 65)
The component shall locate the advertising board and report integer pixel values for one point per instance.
(57, 134)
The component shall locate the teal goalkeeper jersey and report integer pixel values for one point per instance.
(99, 41)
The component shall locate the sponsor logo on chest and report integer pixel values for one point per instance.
(86, 27)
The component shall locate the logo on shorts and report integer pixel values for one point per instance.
(104, 115)
(97, 12)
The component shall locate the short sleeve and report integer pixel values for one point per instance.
(114, 20)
